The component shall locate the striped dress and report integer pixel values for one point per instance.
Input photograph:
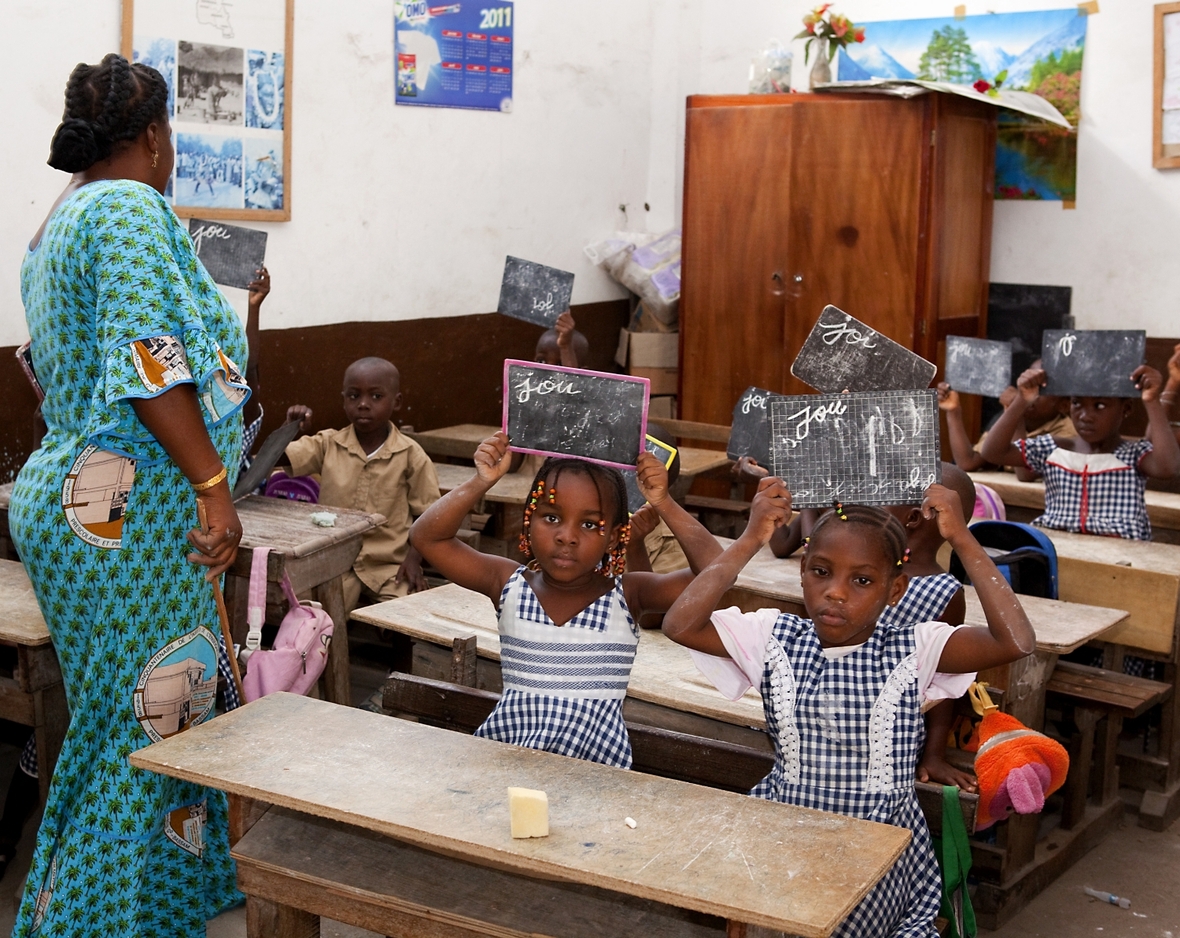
(564, 686)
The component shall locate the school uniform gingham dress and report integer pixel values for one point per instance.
(924, 600)
(564, 686)
(1092, 493)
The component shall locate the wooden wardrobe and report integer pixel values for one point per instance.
(879, 205)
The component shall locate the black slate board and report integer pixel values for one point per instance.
(843, 354)
(231, 254)
(749, 433)
(555, 411)
(268, 457)
(869, 448)
(978, 366)
(1092, 362)
(660, 450)
(534, 292)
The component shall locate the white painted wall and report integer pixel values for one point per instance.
(402, 213)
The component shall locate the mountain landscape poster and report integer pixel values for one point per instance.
(1038, 51)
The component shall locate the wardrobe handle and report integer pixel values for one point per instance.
(778, 287)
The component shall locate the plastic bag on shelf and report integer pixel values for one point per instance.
(770, 70)
(647, 265)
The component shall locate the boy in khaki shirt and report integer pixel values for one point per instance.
(370, 466)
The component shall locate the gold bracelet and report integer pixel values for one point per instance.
(202, 486)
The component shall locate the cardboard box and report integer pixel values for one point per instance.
(648, 350)
(663, 380)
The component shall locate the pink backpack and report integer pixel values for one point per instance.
(300, 651)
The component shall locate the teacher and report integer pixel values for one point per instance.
(135, 349)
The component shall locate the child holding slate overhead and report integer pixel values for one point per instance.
(563, 344)
(1094, 482)
(568, 620)
(843, 689)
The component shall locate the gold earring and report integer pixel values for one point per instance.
(155, 158)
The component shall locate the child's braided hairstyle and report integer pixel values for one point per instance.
(106, 104)
(612, 497)
(888, 530)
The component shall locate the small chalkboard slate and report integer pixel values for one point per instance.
(870, 448)
(534, 292)
(662, 451)
(232, 255)
(268, 457)
(749, 433)
(978, 366)
(555, 411)
(1092, 363)
(843, 354)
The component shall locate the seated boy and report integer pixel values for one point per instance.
(370, 466)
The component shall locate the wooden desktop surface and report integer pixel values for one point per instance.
(721, 853)
(21, 623)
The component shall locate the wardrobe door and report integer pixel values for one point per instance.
(736, 204)
(856, 219)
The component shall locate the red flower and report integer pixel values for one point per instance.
(840, 26)
(982, 86)
(859, 34)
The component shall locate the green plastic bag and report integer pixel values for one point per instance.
(954, 856)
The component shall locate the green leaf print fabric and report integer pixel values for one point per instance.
(119, 307)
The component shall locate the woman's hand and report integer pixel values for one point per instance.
(302, 413)
(220, 533)
(493, 458)
(770, 509)
(1030, 383)
(1149, 382)
(652, 479)
(944, 504)
(948, 397)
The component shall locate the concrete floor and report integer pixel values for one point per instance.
(1133, 862)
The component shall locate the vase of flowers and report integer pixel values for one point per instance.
(832, 31)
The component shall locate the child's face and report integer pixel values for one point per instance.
(547, 352)
(847, 583)
(371, 395)
(1097, 419)
(565, 536)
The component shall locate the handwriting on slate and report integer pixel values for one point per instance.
(208, 231)
(526, 388)
(754, 402)
(545, 306)
(809, 415)
(833, 332)
(1065, 344)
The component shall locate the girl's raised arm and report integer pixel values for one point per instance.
(998, 448)
(433, 534)
(1163, 462)
(688, 620)
(1008, 635)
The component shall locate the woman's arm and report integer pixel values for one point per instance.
(1009, 635)
(998, 448)
(174, 419)
(433, 534)
(962, 451)
(1163, 462)
(688, 621)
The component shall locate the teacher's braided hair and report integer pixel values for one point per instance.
(888, 530)
(106, 104)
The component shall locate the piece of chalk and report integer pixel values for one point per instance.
(325, 519)
(528, 811)
(630, 822)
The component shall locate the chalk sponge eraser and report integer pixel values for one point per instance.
(529, 811)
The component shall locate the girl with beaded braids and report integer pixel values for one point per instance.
(568, 628)
(135, 348)
(843, 689)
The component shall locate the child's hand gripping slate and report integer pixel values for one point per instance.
(944, 504)
(492, 458)
(948, 397)
(652, 479)
(1149, 382)
(770, 509)
(1030, 383)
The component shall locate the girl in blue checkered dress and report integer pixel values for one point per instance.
(1094, 482)
(843, 689)
(568, 629)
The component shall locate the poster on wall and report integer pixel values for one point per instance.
(1039, 51)
(228, 68)
(453, 55)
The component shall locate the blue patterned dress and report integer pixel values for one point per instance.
(118, 307)
(564, 686)
(923, 601)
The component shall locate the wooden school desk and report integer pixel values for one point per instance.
(384, 784)
(315, 559)
(31, 689)
(1163, 508)
(665, 689)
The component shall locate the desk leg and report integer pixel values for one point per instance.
(337, 682)
(237, 597)
(53, 719)
(266, 919)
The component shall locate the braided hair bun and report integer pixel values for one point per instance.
(106, 104)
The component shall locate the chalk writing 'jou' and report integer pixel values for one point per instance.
(526, 388)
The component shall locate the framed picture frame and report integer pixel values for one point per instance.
(229, 68)
(1165, 144)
